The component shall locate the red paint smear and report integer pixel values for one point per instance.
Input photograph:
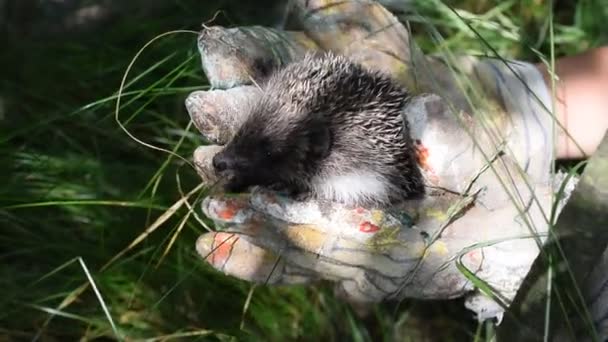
(368, 227)
(423, 153)
(222, 248)
(474, 256)
(229, 211)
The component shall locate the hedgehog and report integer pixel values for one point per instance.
(325, 128)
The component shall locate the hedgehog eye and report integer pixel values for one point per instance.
(265, 147)
(269, 151)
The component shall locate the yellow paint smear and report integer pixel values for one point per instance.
(439, 247)
(305, 237)
(437, 214)
(377, 217)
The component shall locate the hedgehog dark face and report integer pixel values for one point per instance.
(252, 160)
(272, 154)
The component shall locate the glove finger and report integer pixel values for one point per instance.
(218, 113)
(236, 56)
(362, 30)
(237, 257)
(226, 210)
(353, 223)
(331, 219)
(203, 157)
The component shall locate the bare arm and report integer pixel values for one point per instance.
(582, 101)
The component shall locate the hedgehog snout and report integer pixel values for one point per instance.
(229, 165)
(220, 163)
(235, 172)
(225, 163)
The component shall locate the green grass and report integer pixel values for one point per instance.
(77, 190)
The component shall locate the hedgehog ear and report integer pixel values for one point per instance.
(320, 141)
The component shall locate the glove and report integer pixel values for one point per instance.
(476, 231)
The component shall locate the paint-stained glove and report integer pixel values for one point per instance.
(488, 192)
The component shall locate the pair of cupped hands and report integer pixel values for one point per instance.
(487, 200)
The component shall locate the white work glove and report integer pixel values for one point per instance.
(488, 192)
